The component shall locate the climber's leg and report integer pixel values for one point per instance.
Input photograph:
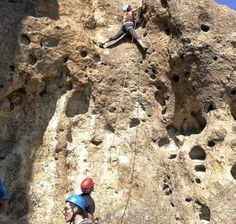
(115, 37)
(135, 37)
(132, 33)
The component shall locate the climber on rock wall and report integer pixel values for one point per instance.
(127, 27)
(74, 210)
(87, 186)
(3, 198)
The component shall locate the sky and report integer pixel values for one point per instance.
(229, 3)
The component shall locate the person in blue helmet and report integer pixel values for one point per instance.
(127, 27)
(74, 210)
(3, 198)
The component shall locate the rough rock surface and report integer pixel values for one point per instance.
(156, 130)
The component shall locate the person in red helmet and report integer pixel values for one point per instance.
(87, 186)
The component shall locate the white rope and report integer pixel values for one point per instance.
(136, 140)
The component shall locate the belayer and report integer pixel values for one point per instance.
(74, 210)
(127, 27)
(87, 186)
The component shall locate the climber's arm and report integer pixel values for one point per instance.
(135, 8)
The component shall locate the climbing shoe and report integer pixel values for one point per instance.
(144, 48)
(101, 45)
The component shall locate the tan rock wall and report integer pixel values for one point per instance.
(155, 130)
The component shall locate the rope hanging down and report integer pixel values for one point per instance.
(136, 137)
(134, 157)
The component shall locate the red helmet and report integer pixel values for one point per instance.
(87, 185)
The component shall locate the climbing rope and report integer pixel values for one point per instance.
(134, 157)
(136, 137)
(126, 74)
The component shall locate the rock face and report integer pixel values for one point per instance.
(156, 129)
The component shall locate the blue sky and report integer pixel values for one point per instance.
(229, 3)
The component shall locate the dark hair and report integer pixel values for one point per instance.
(79, 211)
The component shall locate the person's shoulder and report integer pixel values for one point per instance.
(86, 221)
(86, 195)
